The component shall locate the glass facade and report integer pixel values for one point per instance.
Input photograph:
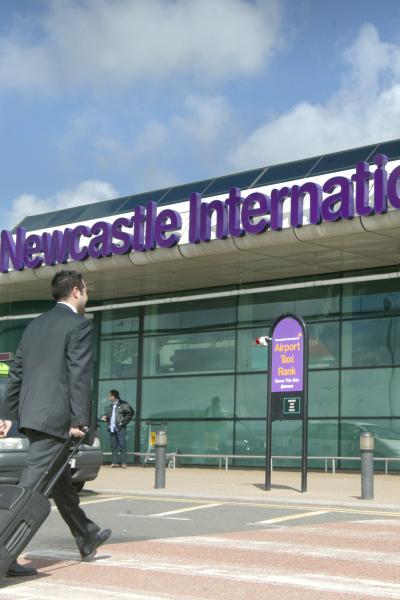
(194, 368)
(118, 367)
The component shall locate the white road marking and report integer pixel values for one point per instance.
(181, 510)
(351, 534)
(111, 499)
(32, 590)
(291, 517)
(54, 508)
(329, 552)
(153, 517)
(390, 522)
(322, 582)
(272, 505)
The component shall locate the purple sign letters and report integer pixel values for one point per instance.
(148, 228)
(287, 348)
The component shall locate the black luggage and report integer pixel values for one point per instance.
(23, 510)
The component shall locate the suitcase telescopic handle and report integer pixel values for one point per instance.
(56, 468)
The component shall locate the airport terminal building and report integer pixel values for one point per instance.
(183, 279)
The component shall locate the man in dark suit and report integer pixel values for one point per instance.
(49, 394)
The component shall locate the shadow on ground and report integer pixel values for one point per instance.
(261, 486)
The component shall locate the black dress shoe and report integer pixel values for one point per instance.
(88, 546)
(17, 570)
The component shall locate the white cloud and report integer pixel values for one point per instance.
(197, 133)
(151, 139)
(366, 109)
(104, 43)
(206, 119)
(86, 192)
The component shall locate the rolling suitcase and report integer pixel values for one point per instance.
(23, 510)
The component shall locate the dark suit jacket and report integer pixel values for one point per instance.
(50, 380)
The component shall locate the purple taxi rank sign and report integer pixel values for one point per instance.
(287, 393)
(287, 356)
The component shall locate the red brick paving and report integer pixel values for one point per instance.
(352, 560)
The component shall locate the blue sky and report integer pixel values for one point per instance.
(105, 98)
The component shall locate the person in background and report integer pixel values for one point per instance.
(49, 393)
(215, 410)
(118, 416)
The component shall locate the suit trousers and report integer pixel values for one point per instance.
(118, 446)
(42, 449)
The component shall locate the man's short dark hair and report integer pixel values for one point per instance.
(114, 394)
(64, 282)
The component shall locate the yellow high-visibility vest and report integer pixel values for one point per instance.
(4, 369)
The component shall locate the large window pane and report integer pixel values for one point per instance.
(189, 353)
(323, 393)
(250, 439)
(371, 342)
(371, 392)
(323, 343)
(371, 297)
(311, 304)
(251, 395)
(219, 312)
(120, 321)
(188, 397)
(386, 440)
(322, 441)
(118, 358)
(251, 435)
(202, 437)
(251, 356)
(285, 438)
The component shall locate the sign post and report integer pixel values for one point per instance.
(287, 395)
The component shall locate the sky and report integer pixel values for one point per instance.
(106, 98)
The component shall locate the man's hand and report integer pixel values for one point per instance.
(5, 427)
(77, 432)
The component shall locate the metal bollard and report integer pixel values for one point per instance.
(367, 465)
(161, 449)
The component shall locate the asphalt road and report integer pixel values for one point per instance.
(174, 549)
